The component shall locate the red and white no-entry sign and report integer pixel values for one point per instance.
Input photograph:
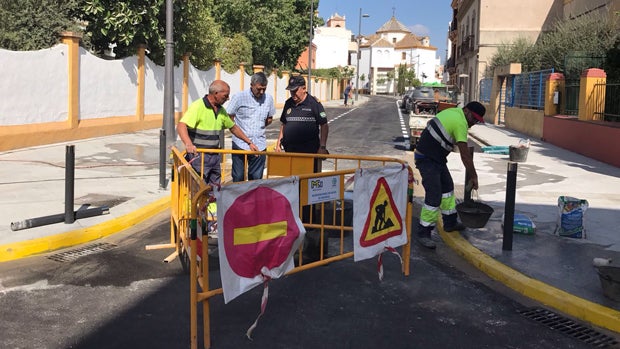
(259, 231)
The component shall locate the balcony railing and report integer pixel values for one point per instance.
(467, 45)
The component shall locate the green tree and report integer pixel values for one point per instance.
(520, 50)
(612, 63)
(202, 36)
(406, 78)
(269, 32)
(35, 24)
(128, 23)
(235, 50)
(278, 29)
(590, 36)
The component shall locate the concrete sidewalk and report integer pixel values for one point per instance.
(557, 271)
(122, 172)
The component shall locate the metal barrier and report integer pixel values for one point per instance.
(190, 197)
(607, 97)
(571, 97)
(485, 88)
(529, 89)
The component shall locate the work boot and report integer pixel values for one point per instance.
(457, 227)
(427, 242)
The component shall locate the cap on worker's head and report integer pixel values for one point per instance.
(295, 82)
(477, 110)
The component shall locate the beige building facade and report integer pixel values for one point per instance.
(479, 27)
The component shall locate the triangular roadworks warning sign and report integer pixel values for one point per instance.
(384, 220)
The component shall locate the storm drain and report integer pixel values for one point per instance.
(569, 327)
(69, 256)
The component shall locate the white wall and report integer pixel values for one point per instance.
(107, 88)
(332, 47)
(33, 86)
(199, 82)
(382, 57)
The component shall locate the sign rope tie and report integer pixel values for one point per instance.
(380, 260)
(263, 305)
(188, 163)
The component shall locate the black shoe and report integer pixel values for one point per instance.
(427, 242)
(457, 227)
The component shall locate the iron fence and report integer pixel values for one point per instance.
(571, 97)
(529, 89)
(485, 89)
(610, 110)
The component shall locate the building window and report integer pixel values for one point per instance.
(403, 56)
(393, 40)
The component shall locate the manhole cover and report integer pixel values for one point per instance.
(569, 327)
(71, 255)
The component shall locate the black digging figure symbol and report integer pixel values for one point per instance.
(380, 222)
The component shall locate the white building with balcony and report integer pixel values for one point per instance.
(391, 46)
(333, 42)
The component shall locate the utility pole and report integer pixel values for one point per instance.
(359, 40)
(310, 48)
(167, 134)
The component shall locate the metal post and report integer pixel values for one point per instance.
(168, 122)
(57, 218)
(162, 159)
(310, 48)
(167, 129)
(418, 70)
(468, 189)
(359, 52)
(357, 69)
(69, 183)
(509, 208)
(69, 216)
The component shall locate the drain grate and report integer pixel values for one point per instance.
(569, 327)
(69, 256)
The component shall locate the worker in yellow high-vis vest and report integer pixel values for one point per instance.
(446, 130)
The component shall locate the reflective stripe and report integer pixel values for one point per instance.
(429, 215)
(209, 139)
(448, 194)
(448, 203)
(439, 133)
(448, 212)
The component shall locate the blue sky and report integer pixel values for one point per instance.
(422, 17)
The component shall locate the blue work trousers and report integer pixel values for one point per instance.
(256, 165)
(438, 185)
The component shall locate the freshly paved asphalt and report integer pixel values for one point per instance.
(122, 172)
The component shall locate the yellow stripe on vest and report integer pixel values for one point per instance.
(258, 233)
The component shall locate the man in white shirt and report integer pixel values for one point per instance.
(252, 110)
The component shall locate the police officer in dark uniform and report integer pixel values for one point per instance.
(304, 126)
(304, 129)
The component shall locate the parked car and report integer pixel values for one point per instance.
(406, 96)
(422, 101)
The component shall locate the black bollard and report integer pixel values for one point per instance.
(509, 208)
(467, 195)
(69, 216)
(162, 159)
(69, 183)
(57, 218)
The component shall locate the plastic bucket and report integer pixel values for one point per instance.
(474, 214)
(518, 154)
(610, 281)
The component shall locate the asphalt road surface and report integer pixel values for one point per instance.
(112, 293)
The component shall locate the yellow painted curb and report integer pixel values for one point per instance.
(562, 301)
(22, 249)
